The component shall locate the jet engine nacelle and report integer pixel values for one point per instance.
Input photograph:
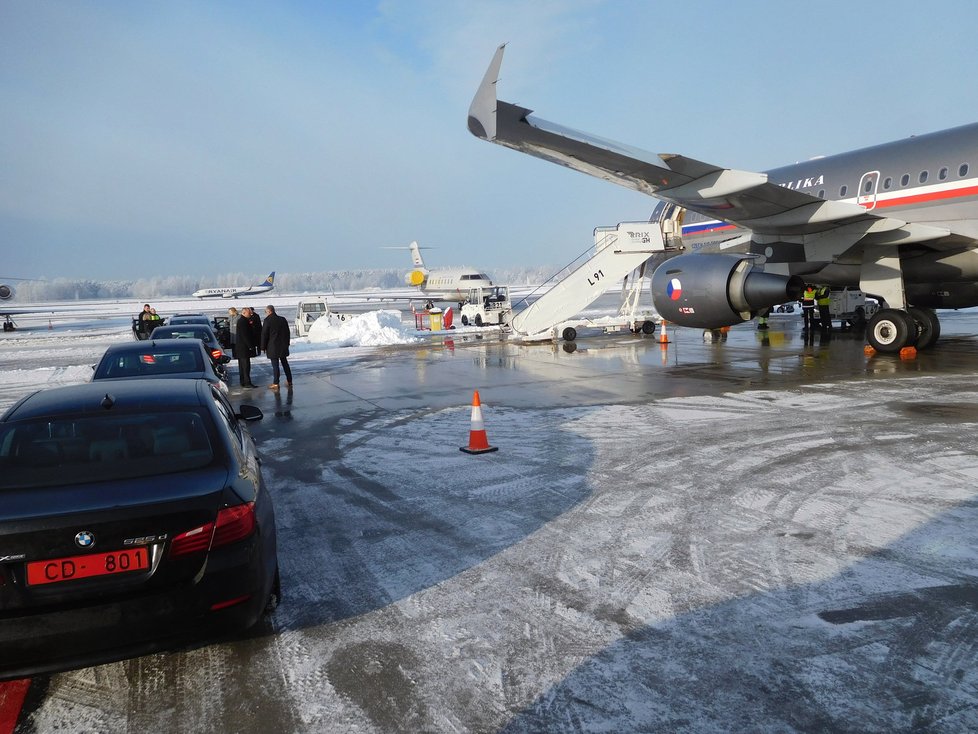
(416, 277)
(713, 290)
(6, 292)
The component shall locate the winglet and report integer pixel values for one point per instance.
(482, 111)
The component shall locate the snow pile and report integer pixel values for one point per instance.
(373, 329)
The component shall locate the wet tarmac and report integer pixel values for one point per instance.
(763, 533)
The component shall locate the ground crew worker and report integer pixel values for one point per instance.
(823, 298)
(762, 319)
(808, 307)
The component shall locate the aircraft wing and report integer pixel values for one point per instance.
(740, 197)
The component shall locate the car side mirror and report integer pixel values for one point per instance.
(249, 413)
(224, 359)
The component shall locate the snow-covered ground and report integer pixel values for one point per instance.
(60, 344)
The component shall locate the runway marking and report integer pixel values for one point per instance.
(12, 696)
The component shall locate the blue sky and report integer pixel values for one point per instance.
(193, 138)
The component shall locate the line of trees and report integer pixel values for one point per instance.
(67, 289)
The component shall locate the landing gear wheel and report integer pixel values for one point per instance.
(569, 334)
(890, 330)
(648, 327)
(928, 326)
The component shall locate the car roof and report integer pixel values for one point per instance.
(150, 345)
(184, 327)
(127, 395)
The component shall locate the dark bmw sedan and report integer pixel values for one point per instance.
(132, 514)
(170, 358)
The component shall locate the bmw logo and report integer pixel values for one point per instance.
(85, 539)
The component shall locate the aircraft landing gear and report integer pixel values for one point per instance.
(928, 326)
(890, 330)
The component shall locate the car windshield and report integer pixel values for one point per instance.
(149, 362)
(101, 447)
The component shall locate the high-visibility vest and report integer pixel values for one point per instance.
(808, 297)
(823, 296)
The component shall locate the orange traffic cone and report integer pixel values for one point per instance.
(478, 443)
(663, 337)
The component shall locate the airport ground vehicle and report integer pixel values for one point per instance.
(204, 333)
(486, 307)
(161, 358)
(129, 517)
(851, 307)
(311, 310)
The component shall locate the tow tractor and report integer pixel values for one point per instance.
(850, 306)
(311, 310)
(487, 307)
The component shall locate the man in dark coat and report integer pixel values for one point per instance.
(275, 337)
(247, 337)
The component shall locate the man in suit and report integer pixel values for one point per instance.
(275, 337)
(247, 337)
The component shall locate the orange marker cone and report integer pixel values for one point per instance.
(663, 337)
(478, 442)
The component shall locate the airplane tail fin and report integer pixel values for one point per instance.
(416, 255)
(270, 280)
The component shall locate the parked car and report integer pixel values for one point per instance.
(170, 358)
(203, 332)
(132, 514)
(190, 318)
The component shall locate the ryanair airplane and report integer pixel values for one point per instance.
(235, 291)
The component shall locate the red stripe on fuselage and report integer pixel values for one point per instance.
(911, 199)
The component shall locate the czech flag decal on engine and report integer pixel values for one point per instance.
(675, 289)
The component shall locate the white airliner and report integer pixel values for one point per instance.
(448, 284)
(235, 291)
(7, 294)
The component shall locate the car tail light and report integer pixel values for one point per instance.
(234, 524)
(192, 541)
(216, 353)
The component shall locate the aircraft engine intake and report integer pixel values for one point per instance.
(6, 292)
(416, 278)
(714, 290)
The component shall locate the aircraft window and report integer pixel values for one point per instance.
(963, 170)
(905, 179)
(869, 186)
(821, 194)
(843, 190)
(887, 182)
(923, 177)
(942, 174)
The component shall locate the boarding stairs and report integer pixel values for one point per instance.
(620, 253)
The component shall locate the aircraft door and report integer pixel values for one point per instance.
(866, 194)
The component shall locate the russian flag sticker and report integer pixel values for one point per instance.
(675, 289)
